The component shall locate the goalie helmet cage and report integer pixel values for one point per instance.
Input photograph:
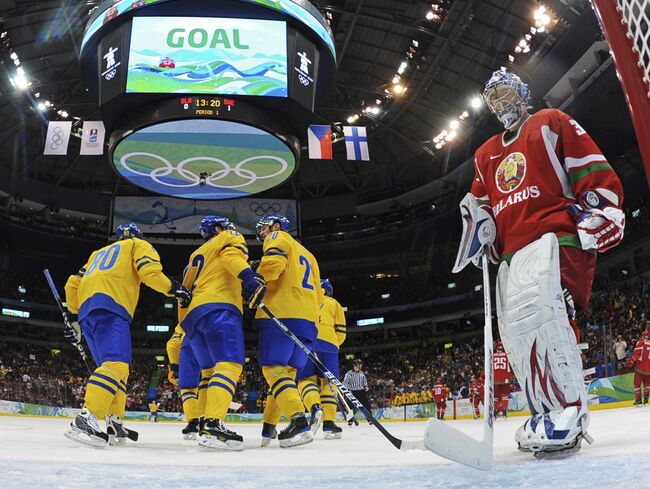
(626, 24)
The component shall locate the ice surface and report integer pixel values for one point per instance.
(35, 454)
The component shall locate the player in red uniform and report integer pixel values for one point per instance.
(439, 392)
(502, 380)
(476, 392)
(544, 201)
(640, 360)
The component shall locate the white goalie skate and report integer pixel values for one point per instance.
(555, 434)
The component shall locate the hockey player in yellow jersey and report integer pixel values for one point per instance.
(218, 275)
(104, 294)
(313, 387)
(185, 373)
(294, 296)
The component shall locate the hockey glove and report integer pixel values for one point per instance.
(172, 373)
(182, 295)
(71, 329)
(599, 222)
(254, 264)
(253, 287)
(479, 234)
(630, 362)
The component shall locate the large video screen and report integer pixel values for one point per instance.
(204, 55)
(166, 215)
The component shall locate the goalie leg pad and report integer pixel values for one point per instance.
(541, 346)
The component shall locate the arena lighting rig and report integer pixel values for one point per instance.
(203, 99)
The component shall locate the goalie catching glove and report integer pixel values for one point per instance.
(599, 221)
(253, 287)
(479, 234)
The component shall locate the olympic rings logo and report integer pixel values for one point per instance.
(264, 208)
(204, 178)
(110, 75)
(305, 81)
(57, 138)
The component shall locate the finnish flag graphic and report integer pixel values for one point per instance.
(356, 143)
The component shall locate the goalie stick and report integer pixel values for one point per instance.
(63, 310)
(449, 442)
(397, 443)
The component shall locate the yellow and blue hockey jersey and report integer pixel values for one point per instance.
(111, 278)
(331, 327)
(293, 279)
(212, 272)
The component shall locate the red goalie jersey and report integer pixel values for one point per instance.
(530, 180)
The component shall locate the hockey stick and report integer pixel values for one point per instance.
(62, 308)
(453, 444)
(397, 443)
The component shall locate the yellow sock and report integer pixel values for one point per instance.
(221, 389)
(103, 386)
(271, 410)
(328, 401)
(309, 392)
(203, 389)
(118, 406)
(282, 380)
(190, 400)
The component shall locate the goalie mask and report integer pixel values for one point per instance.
(507, 97)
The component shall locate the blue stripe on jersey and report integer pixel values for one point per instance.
(220, 376)
(285, 386)
(104, 386)
(281, 379)
(223, 386)
(106, 378)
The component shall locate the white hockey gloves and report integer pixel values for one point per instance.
(479, 234)
(599, 221)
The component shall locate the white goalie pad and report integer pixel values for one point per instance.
(479, 234)
(538, 338)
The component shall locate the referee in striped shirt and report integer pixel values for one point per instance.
(356, 381)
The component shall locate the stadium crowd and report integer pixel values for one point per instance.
(397, 374)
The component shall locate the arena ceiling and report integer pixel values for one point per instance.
(449, 56)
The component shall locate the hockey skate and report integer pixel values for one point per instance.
(117, 433)
(85, 429)
(297, 433)
(215, 435)
(316, 418)
(556, 434)
(331, 431)
(268, 433)
(191, 431)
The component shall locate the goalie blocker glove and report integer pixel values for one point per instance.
(253, 287)
(599, 220)
(181, 294)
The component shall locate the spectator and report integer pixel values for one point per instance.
(620, 347)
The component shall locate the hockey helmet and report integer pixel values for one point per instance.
(269, 221)
(128, 231)
(327, 287)
(208, 225)
(507, 97)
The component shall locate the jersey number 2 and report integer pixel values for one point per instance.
(305, 278)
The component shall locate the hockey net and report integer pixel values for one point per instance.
(626, 24)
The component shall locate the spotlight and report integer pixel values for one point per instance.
(350, 119)
(476, 103)
(454, 124)
(398, 89)
(430, 15)
(41, 106)
(396, 79)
